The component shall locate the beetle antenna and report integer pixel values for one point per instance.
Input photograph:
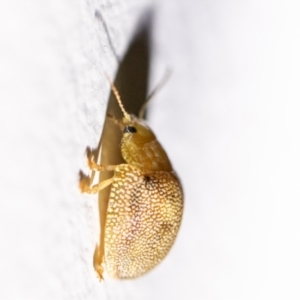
(118, 97)
(156, 89)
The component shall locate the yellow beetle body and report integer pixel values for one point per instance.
(145, 204)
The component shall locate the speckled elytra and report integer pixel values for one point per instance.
(145, 204)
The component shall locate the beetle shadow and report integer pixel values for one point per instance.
(131, 81)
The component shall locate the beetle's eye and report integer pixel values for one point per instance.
(130, 129)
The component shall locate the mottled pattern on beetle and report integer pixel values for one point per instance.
(143, 218)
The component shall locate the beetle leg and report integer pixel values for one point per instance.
(116, 121)
(85, 187)
(96, 167)
(97, 261)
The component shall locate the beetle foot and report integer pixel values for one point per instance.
(98, 256)
(84, 182)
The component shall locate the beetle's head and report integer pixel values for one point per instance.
(140, 147)
(137, 131)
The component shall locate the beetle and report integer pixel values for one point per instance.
(145, 204)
